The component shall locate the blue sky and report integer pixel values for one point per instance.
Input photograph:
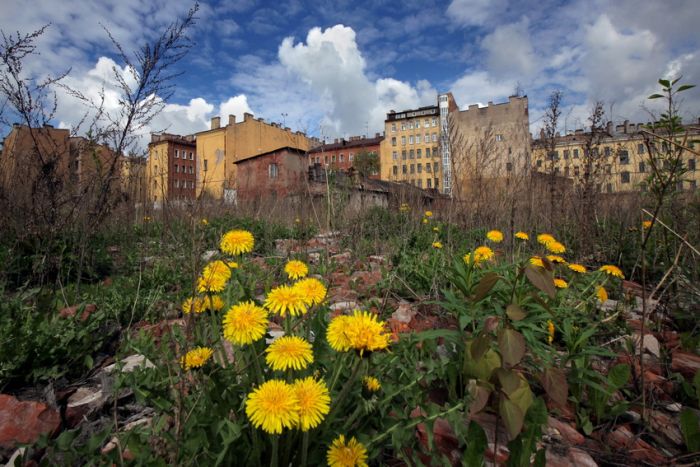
(336, 67)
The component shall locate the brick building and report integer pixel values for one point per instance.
(172, 166)
(279, 173)
(341, 153)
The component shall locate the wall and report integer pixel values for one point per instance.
(157, 172)
(211, 163)
(254, 182)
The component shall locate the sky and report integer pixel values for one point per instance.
(335, 68)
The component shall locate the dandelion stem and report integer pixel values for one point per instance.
(304, 448)
(274, 461)
(380, 437)
(344, 392)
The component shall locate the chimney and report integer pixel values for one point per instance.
(490, 103)
(473, 106)
(627, 126)
(231, 119)
(541, 133)
(215, 123)
(609, 127)
(377, 135)
(247, 116)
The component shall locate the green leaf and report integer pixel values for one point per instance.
(655, 96)
(665, 83)
(541, 278)
(509, 380)
(485, 285)
(685, 87)
(479, 347)
(480, 396)
(696, 385)
(476, 445)
(515, 313)
(482, 368)
(522, 397)
(511, 345)
(513, 417)
(690, 426)
(555, 385)
(618, 376)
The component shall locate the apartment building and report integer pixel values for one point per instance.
(341, 153)
(171, 168)
(415, 148)
(280, 173)
(615, 160)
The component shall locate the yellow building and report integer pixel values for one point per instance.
(219, 148)
(170, 170)
(616, 161)
(413, 146)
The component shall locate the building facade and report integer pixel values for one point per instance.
(615, 159)
(220, 148)
(280, 173)
(341, 153)
(171, 168)
(412, 148)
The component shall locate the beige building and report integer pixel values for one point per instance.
(616, 161)
(414, 143)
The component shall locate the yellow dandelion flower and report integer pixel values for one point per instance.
(350, 454)
(366, 333)
(285, 299)
(214, 277)
(404, 207)
(204, 222)
(550, 331)
(545, 238)
(601, 293)
(522, 236)
(425, 221)
(237, 242)
(580, 268)
(436, 229)
(245, 323)
(196, 358)
(147, 218)
(297, 221)
(232, 265)
(296, 269)
(537, 261)
(273, 406)
(437, 245)
(314, 402)
(202, 304)
(479, 255)
(371, 383)
(560, 283)
(289, 352)
(312, 290)
(612, 271)
(555, 247)
(496, 236)
(646, 224)
(428, 213)
(337, 335)
(556, 259)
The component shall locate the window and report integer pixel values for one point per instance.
(418, 153)
(434, 137)
(393, 127)
(403, 126)
(420, 183)
(608, 169)
(608, 151)
(641, 167)
(272, 170)
(426, 123)
(403, 141)
(691, 164)
(420, 168)
(693, 185)
(410, 125)
(192, 184)
(177, 154)
(351, 157)
(393, 141)
(624, 156)
(427, 152)
(395, 155)
(403, 154)
(410, 154)
(499, 137)
(177, 169)
(509, 167)
(429, 183)
(435, 124)
(640, 148)
(566, 154)
(608, 187)
(427, 167)
(575, 153)
(410, 139)
(325, 160)
(435, 182)
(566, 171)
(395, 170)
(436, 167)
(576, 170)
(403, 169)
(413, 168)
(332, 157)
(426, 137)
(341, 158)
(553, 155)
(539, 162)
(624, 177)
(417, 139)
(205, 165)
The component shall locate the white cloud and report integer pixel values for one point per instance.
(237, 105)
(474, 12)
(509, 51)
(479, 87)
